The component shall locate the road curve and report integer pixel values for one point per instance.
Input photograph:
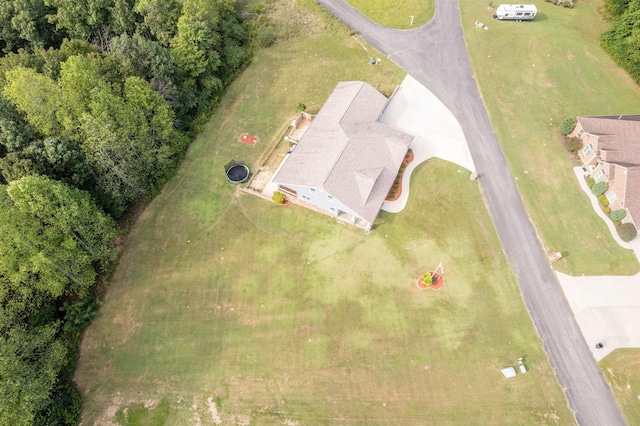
(435, 54)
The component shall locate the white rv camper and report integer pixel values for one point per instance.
(516, 12)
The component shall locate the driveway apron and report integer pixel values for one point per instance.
(436, 56)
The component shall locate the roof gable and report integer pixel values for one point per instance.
(618, 135)
(365, 180)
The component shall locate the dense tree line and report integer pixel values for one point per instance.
(97, 102)
(622, 39)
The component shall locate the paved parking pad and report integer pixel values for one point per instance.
(414, 109)
(607, 309)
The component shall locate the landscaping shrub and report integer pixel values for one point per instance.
(627, 231)
(617, 215)
(278, 197)
(599, 188)
(567, 125)
(607, 210)
(590, 182)
(603, 200)
(574, 144)
(265, 37)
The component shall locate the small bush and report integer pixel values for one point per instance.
(617, 223)
(302, 107)
(627, 231)
(278, 197)
(599, 188)
(603, 200)
(618, 215)
(567, 125)
(607, 210)
(590, 182)
(574, 144)
(427, 279)
(265, 37)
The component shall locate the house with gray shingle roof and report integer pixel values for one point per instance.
(346, 161)
(611, 153)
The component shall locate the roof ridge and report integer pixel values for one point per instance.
(344, 146)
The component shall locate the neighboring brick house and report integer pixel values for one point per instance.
(346, 161)
(611, 153)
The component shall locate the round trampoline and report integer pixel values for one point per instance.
(238, 173)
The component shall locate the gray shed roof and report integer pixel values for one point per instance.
(347, 153)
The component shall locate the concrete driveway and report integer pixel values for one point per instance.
(607, 309)
(414, 109)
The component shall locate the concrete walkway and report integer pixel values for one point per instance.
(414, 109)
(633, 245)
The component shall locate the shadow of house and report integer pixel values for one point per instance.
(611, 153)
(346, 161)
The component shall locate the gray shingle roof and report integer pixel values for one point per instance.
(347, 153)
(619, 137)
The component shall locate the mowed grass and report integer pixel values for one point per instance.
(620, 369)
(279, 314)
(532, 75)
(396, 14)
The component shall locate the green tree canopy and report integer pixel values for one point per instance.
(53, 238)
(30, 361)
(37, 96)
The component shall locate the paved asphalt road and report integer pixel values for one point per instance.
(436, 56)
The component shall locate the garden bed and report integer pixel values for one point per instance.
(396, 188)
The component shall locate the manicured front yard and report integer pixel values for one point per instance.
(396, 14)
(225, 305)
(621, 369)
(532, 75)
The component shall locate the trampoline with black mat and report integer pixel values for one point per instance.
(237, 172)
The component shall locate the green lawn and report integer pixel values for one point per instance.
(282, 315)
(620, 370)
(532, 75)
(396, 14)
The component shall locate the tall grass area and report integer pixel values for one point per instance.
(532, 75)
(396, 14)
(224, 304)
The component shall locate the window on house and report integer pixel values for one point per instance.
(304, 197)
(599, 177)
(580, 133)
(612, 197)
(313, 189)
(587, 150)
(329, 197)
